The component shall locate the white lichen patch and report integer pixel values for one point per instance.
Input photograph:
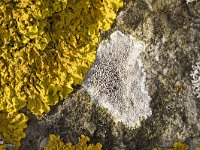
(189, 1)
(195, 74)
(117, 79)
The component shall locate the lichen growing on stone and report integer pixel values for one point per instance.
(189, 1)
(57, 144)
(195, 74)
(11, 128)
(177, 146)
(47, 47)
(117, 79)
(3, 147)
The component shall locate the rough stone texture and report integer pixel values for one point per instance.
(171, 32)
(75, 116)
(117, 79)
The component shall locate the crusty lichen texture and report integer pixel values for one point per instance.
(195, 74)
(117, 79)
(47, 47)
(57, 144)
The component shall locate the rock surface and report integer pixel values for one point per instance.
(171, 33)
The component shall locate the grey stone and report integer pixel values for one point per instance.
(10, 146)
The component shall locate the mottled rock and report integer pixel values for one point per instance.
(172, 49)
(75, 116)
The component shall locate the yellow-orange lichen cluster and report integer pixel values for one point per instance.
(57, 144)
(46, 48)
(177, 146)
(11, 128)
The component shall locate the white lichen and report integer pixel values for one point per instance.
(117, 79)
(195, 74)
(188, 1)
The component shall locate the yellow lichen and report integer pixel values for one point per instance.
(47, 47)
(155, 148)
(176, 146)
(11, 128)
(3, 147)
(57, 144)
(179, 146)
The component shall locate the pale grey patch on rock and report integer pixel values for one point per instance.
(44, 143)
(117, 79)
(10, 146)
(188, 1)
(149, 3)
(196, 79)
